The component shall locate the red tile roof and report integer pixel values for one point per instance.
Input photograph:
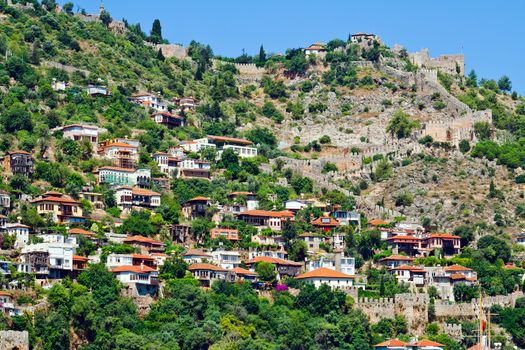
(56, 200)
(324, 272)
(133, 268)
(5, 294)
(453, 268)
(426, 342)
(241, 271)
(142, 239)
(458, 276)
(391, 343)
(376, 222)
(198, 198)
(141, 256)
(143, 192)
(240, 193)
(80, 231)
(119, 144)
(80, 258)
(442, 236)
(206, 267)
(331, 221)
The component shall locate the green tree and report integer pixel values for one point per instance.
(505, 84)
(68, 8)
(464, 146)
(400, 125)
(266, 272)
(17, 118)
(105, 18)
(156, 32)
(138, 223)
(173, 267)
(483, 130)
(472, 79)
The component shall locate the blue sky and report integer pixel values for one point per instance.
(489, 33)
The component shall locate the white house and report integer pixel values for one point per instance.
(409, 274)
(136, 274)
(192, 256)
(97, 90)
(226, 259)
(240, 146)
(81, 132)
(5, 200)
(21, 232)
(150, 101)
(315, 49)
(332, 278)
(128, 197)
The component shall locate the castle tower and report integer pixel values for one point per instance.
(101, 7)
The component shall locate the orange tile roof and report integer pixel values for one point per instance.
(275, 261)
(56, 200)
(241, 271)
(19, 152)
(443, 236)
(143, 192)
(397, 258)
(16, 224)
(230, 139)
(376, 222)
(458, 276)
(324, 272)
(5, 294)
(198, 198)
(142, 239)
(133, 268)
(267, 213)
(426, 342)
(119, 144)
(80, 231)
(456, 268)
(391, 343)
(141, 256)
(331, 221)
(205, 267)
(240, 193)
(80, 258)
(403, 238)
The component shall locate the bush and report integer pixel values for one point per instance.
(325, 139)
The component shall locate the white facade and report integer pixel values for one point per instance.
(146, 277)
(242, 151)
(197, 145)
(60, 254)
(5, 200)
(115, 260)
(21, 232)
(120, 176)
(342, 263)
(226, 259)
(97, 90)
(150, 101)
(276, 254)
(334, 283)
(79, 132)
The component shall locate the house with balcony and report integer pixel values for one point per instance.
(313, 241)
(334, 279)
(325, 223)
(393, 261)
(231, 235)
(409, 274)
(143, 279)
(60, 207)
(242, 147)
(408, 245)
(192, 256)
(446, 243)
(115, 260)
(94, 198)
(148, 100)
(196, 207)
(5, 202)
(337, 261)
(81, 132)
(284, 268)
(167, 119)
(135, 197)
(277, 254)
(20, 231)
(243, 275)
(51, 259)
(266, 219)
(185, 104)
(123, 154)
(347, 217)
(77, 231)
(268, 240)
(227, 259)
(19, 163)
(193, 169)
(123, 176)
(206, 274)
(318, 49)
(241, 201)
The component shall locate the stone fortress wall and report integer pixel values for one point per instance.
(414, 307)
(11, 340)
(451, 64)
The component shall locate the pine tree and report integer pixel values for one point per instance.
(262, 55)
(160, 56)
(156, 32)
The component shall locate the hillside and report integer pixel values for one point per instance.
(155, 196)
